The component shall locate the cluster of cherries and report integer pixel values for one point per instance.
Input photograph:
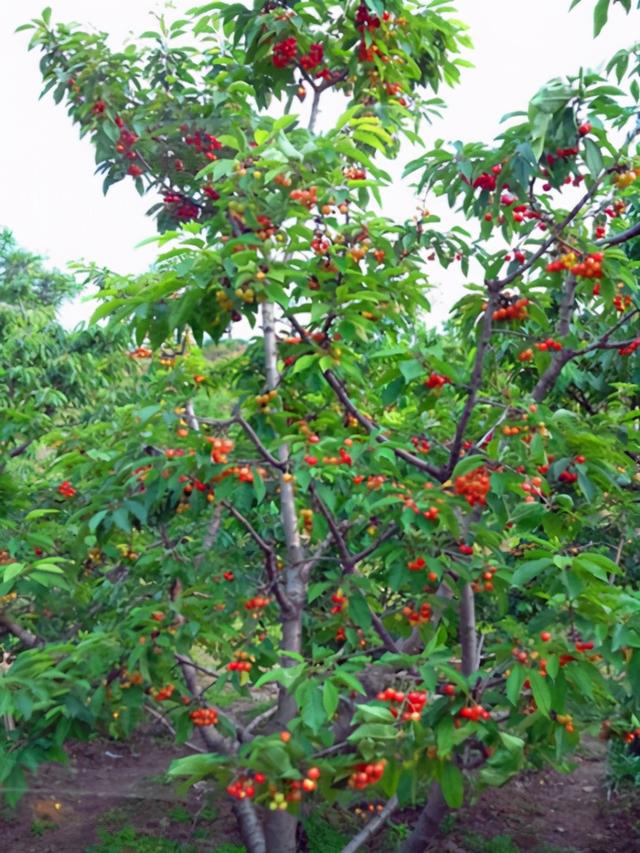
(417, 617)
(568, 477)
(590, 267)
(284, 52)
(344, 458)
(485, 584)
(621, 302)
(565, 720)
(165, 693)
(140, 352)
(320, 244)
(339, 601)
(412, 703)
(126, 140)
(240, 665)
(532, 489)
(67, 490)
(364, 775)
(192, 483)
(436, 380)
(487, 180)
(630, 737)
(242, 473)
(173, 452)
(257, 604)
(430, 514)
(630, 348)
(243, 788)
(374, 481)
(515, 311)
(181, 207)
(204, 717)
(420, 444)
(306, 197)
(475, 713)
(417, 565)
(355, 173)
(204, 143)
(307, 519)
(311, 60)
(220, 449)
(474, 486)
(549, 344)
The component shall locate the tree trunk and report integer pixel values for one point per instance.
(281, 830)
(280, 826)
(428, 825)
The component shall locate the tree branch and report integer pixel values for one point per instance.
(345, 556)
(262, 450)
(474, 384)
(23, 634)
(366, 552)
(374, 825)
(260, 542)
(372, 427)
(624, 236)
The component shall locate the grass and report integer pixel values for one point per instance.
(476, 843)
(127, 840)
(39, 827)
(322, 835)
(623, 766)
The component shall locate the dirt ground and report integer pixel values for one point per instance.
(113, 794)
(550, 812)
(107, 786)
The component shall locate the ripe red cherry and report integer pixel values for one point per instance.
(585, 128)
(545, 636)
(313, 773)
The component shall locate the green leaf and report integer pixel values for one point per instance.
(12, 571)
(411, 370)
(312, 708)
(373, 714)
(376, 731)
(469, 463)
(600, 16)
(593, 156)
(529, 570)
(359, 610)
(541, 692)
(452, 784)
(514, 683)
(330, 698)
(195, 766)
(94, 521)
(40, 513)
(512, 743)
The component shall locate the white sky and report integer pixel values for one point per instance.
(53, 202)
